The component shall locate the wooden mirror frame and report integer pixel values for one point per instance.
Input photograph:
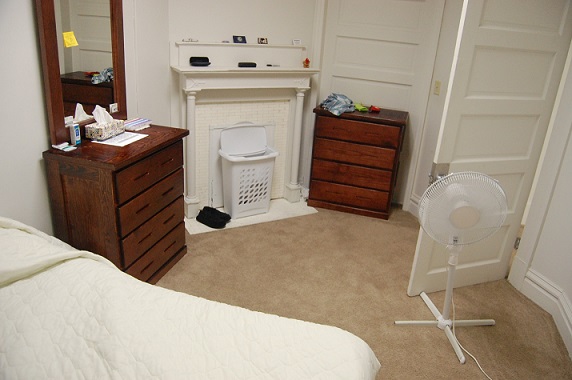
(46, 19)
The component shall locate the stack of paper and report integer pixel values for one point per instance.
(137, 124)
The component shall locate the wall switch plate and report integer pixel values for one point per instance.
(113, 108)
(437, 87)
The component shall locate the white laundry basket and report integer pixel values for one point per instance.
(247, 169)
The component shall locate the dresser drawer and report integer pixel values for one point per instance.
(350, 196)
(146, 235)
(351, 175)
(365, 155)
(143, 174)
(157, 256)
(356, 131)
(88, 94)
(138, 210)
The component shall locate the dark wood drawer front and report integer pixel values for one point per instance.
(351, 175)
(365, 155)
(366, 133)
(138, 177)
(157, 256)
(87, 94)
(138, 210)
(99, 204)
(145, 236)
(350, 196)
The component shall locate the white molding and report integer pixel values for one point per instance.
(239, 46)
(552, 299)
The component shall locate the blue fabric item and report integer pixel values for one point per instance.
(104, 76)
(338, 104)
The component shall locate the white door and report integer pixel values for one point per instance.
(382, 52)
(90, 22)
(506, 71)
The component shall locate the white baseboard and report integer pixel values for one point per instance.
(552, 299)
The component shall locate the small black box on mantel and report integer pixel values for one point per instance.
(246, 64)
(199, 61)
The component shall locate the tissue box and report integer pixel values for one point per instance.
(103, 131)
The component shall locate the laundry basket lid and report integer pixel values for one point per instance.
(243, 140)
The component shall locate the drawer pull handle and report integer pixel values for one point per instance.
(168, 191)
(145, 238)
(168, 161)
(142, 208)
(141, 176)
(169, 219)
(147, 266)
(170, 245)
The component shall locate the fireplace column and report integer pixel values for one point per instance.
(293, 190)
(191, 198)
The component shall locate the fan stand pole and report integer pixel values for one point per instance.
(442, 319)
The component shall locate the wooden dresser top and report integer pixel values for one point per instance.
(115, 158)
(384, 116)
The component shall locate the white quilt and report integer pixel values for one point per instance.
(69, 314)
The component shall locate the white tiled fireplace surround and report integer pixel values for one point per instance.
(222, 94)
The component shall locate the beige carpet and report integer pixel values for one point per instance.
(279, 209)
(352, 272)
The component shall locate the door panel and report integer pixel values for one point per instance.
(90, 21)
(506, 71)
(382, 52)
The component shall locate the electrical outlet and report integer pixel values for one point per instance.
(113, 108)
(437, 87)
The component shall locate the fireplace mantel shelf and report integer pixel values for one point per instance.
(205, 78)
(213, 70)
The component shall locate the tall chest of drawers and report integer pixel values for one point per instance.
(355, 161)
(123, 203)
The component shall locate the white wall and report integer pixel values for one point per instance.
(215, 21)
(541, 269)
(24, 132)
(148, 75)
(151, 27)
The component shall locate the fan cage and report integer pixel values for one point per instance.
(477, 192)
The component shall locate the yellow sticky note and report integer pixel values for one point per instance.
(69, 39)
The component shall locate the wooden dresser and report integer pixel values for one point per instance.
(355, 160)
(124, 203)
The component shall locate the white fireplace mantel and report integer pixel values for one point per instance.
(221, 78)
(193, 81)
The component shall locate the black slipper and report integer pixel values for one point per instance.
(214, 211)
(210, 219)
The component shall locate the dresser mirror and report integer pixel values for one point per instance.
(58, 66)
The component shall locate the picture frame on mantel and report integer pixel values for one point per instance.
(263, 40)
(239, 39)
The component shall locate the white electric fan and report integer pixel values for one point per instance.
(456, 210)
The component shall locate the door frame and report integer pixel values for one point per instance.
(530, 163)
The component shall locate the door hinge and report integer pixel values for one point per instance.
(516, 243)
(438, 171)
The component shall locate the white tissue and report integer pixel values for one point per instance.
(80, 113)
(101, 116)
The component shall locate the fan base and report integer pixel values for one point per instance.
(446, 325)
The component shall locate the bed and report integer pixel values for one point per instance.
(66, 313)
